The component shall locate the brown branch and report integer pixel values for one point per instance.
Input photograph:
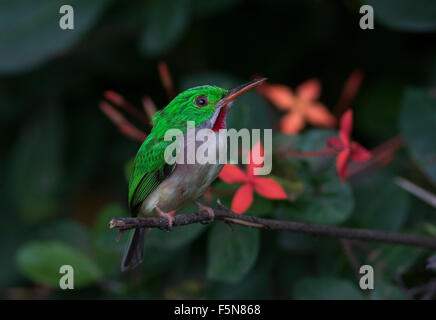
(303, 154)
(349, 92)
(381, 155)
(119, 100)
(149, 107)
(224, 214)
(166, 79)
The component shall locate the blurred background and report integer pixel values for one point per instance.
(64, 165)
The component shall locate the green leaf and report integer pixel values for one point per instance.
(329, 203)
(177, 237)
(242, 113)
(315, 140)
(261, 207)
(201, 7)
(385, 290)
(283, 142)
(395, 260)
(291, 268)
(41, 261)
(256, 286)
(13, 235)
(33, 33)
(297, 243)
(36, 171)
(418, 123)
(231, 253)
(286, 170)
(185, 290)
(330, 258)
(166, 21)
(430, 228)
(66, 231)
(382, 101)
(405, 15)
(292, 188)
(326, 288)
(163, 261)
(381, 204)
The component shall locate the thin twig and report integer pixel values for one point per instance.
(149, 107)
(228, 216)
(432, 262)
(426, 291)
(303, 154)
(349, 92)
(119, 100)
(166, 79)
(417, 191)
(381, 155)
(125, 127)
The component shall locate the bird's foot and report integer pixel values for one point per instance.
(167, 216)
(209, 210)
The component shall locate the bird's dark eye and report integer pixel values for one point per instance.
(201, 101)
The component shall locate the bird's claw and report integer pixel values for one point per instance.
(167, 216)
(209, 210)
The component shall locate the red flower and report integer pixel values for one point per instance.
(266, 187)
(348, 149)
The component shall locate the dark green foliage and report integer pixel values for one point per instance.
(64, 165)
(418, 123)
(32, 30)
(41, 261)
(321, 288)
(166, 21)
(406, 15)
(240, 245)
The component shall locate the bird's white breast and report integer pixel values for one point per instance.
(185, 184)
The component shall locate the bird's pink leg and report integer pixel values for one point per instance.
(166, 215)
(209, 210)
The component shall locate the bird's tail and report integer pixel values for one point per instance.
(135, 251)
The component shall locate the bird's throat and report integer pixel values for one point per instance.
(220, 122)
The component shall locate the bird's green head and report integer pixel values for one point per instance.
(206, 105)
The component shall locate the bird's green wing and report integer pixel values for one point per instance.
(150, 169)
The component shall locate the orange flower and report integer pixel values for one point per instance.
(302, 106)
(266, 187)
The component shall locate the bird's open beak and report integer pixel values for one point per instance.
(236, 92)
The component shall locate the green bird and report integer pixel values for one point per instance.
(156, 187)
